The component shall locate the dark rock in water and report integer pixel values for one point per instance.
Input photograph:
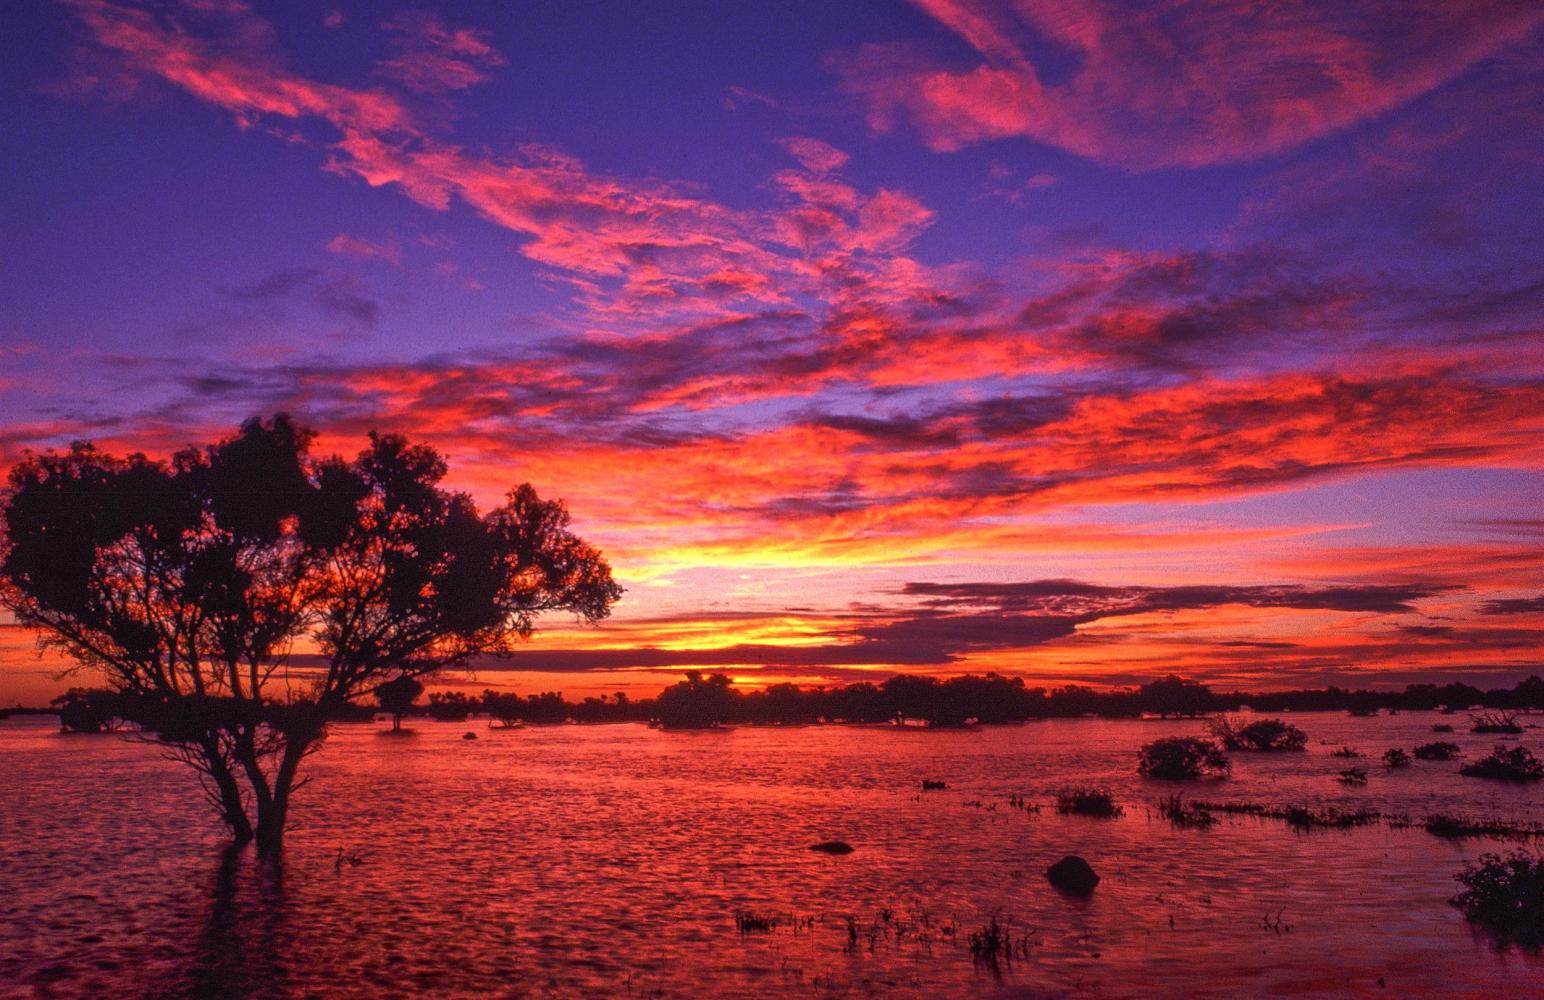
(832, 847)
(1073, 875)
(470, 736)
(933, 786)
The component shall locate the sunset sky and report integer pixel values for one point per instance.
(1083, 340)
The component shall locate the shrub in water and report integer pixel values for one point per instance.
(1184, 814)
(1265, 736)
(1087, 802)
(1506, 764)
(1440, 750)
(1494, 722)
(1396, 757)
(1180, 758)
(1506, 897)
(1352, 776)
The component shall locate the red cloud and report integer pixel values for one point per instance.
(1158, 85)
(432, 59)
(358, 246)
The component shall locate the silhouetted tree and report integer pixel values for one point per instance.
(450, 706)
(187, 582)
(83, 710)
(697, 702)
(397, 696)
(505, 708)
(1175, 696)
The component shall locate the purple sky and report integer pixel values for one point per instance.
(807, 308)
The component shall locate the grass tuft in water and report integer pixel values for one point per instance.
(1087, 802)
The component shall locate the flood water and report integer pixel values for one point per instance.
(612, 860)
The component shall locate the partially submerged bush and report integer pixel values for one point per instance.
(751, 922)
(1505, 896)
(1352, 776)
(1184, 814)
(1395, 757)
(1442, 727)
(1087, 802)
(1181, 758)
(1344, 752)
(1440, 750)
(1506, 764)
(1494, 722)
(1264, 736)
(1442, 825)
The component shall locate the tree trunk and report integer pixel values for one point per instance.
(273, 813)
(232, 810)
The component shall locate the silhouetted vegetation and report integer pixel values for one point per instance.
(1395, 757)
(1352, 776)
(1181, 758)
(397, 696)
(998, 943)
(1506, 764)
(186, 582)
(1442, 727)
(750, 922)
(1439, 750)
(1263, 736)
(986, 699)
(89, 711)
(1346, 752)
(451, 706)
(1468, 826)
(1175, 696)
(1087, 802)
(1494, 722)
(1302, 817)
(1505, 896)
(1186, 815)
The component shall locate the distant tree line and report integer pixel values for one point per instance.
(703, 700)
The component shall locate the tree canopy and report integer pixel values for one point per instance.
(189, 583)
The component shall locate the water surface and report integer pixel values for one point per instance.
(612, 860)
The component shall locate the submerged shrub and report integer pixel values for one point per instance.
(1443, 825)
(1440, 750)
(1344, 752)
(1184, 814)
(1181, 758)
(1494, 722)
(1087, 802)
(1264, 736)
(751, 922)
(1505, 896)
(1442, 727)
(1352, 776)
(1506, 764)
(1395, 757)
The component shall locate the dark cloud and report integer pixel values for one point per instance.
(1073, 597)
(335, 296)
(1514, 606)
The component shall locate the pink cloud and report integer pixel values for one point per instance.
(430, 58)
(1155, 86)
(358, 246)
